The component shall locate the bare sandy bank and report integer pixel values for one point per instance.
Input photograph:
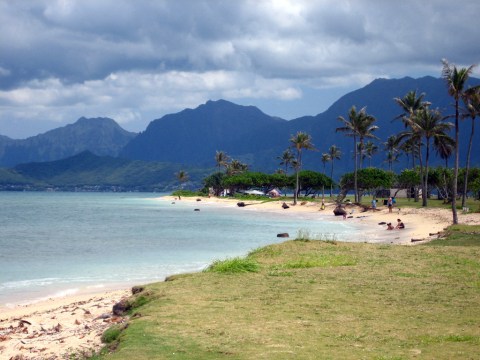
(58, 327)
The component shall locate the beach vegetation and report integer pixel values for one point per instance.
(471, 98)
(300, 141)
(427, 124)
(112, 333)
(368, 180)
(340, 301)
(234, 266)
(334, 153)
(358, 125)
(456, 80)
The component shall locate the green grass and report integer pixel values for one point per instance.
(317, 300)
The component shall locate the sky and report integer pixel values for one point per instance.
(137, 60)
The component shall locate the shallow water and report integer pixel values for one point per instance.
(61, 243)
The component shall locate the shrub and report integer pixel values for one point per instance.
(234, 265)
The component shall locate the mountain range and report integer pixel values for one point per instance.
(190, 138)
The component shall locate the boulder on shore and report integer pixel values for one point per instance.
(339, 211)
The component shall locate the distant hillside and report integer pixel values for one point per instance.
(378, 97)
(101, 136)
(89, 171)
(192, 136)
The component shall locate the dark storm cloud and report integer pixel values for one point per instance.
(136, 60)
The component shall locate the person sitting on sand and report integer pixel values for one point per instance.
(389, 226)
(400, 224)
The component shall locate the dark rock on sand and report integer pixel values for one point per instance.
(339, 211)
(137, 289)
(121, 307)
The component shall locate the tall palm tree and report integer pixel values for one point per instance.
(334, 153)
(471, 99)
(410, 104)
(325, 159)
(182, 177)
(370, 150)
(391, 147)
(358, 126)
(456, 80)
(392, 157)
(286, 159)
(300, 141)
(444, 147)
(429, 124)
(221, 159)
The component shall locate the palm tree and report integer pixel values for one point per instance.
(299, 141)
(286, 159)
(429, 124)
(456, 80)
(391, 147)
(358, 125)
(392, 157)
(221, 159)
(471, 99)
(236, 167)
(334, 153)
(325, 159)
(370, 150)
(410, 104)
(182, 176)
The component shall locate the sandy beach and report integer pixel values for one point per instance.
(59, 327)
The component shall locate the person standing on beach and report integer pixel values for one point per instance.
(390, 204)
(374, 204)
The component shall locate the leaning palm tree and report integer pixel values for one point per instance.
(299, 141)
(334, 153)
(286, 159)
(471, 99)
(456, 80)
(358, 126)
(429, 124)
(221, 159)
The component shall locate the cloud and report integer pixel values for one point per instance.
(138, 60)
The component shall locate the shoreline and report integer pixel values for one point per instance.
(421, 224)
(73, 324)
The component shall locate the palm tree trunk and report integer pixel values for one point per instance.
(467, 166)
(422, 174)
(455, 172)
(425, 186)
(355, 171)
(331, 177)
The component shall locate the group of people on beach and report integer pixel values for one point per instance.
(400, 225)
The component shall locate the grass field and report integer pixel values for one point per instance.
(315, 299)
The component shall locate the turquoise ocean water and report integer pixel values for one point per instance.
(61, 243)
